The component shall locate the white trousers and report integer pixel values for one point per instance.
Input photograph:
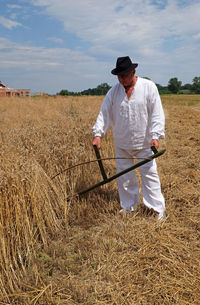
(128, 186)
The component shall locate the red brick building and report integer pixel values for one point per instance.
(5, 91)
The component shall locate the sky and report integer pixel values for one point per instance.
(50, 45)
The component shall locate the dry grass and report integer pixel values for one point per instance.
(54, 251)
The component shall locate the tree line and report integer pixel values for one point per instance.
(101, 89)
(174, 87)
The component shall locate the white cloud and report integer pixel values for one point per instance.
(138, 27)
(138, 20)
(196, 36)
(48, 69)
(13, 16)
(13, 6)
(162, 36)
(8, 23)
(56, 39)
(153, 32)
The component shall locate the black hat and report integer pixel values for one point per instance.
(123, 65)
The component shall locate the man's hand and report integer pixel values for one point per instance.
(97, 141)
(155, 143)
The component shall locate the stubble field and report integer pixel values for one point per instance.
(56, 248)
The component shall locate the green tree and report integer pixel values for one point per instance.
(64, 92)
(187, 87)
(174, 85)
(101, 89)
(163, 89)
(196, 85)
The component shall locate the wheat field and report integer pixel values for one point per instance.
(57, 248)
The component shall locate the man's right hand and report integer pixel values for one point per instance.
(97, 141)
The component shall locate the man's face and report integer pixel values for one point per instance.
(126, 79)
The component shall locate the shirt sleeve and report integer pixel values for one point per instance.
(104, 119)
(157, 129)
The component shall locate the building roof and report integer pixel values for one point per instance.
(2, 85)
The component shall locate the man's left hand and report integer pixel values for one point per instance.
(155, 143)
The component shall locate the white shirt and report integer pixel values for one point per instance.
(137, 120)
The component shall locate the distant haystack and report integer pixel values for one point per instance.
(5, 91)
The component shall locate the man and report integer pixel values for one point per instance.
(134, 108)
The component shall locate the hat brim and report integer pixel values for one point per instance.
(120, 72)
